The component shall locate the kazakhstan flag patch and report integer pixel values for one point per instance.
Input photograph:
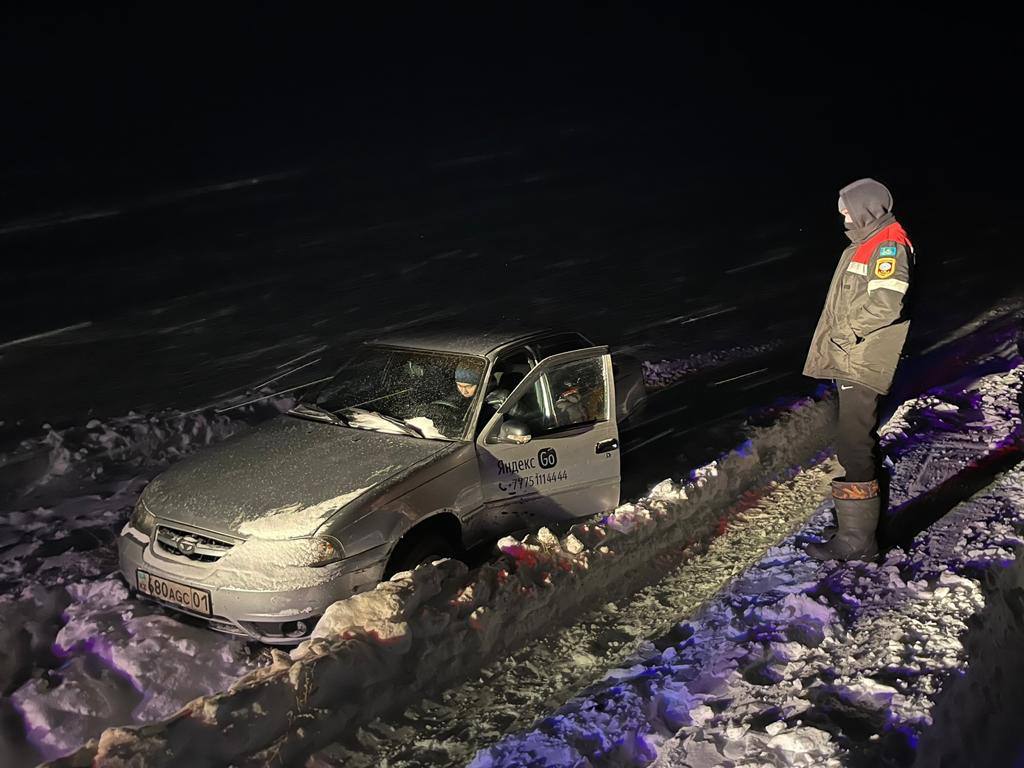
(887, 250)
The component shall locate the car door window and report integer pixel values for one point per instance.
(567, 396)
(578, 393)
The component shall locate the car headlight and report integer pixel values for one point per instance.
(142, 519)
(315, 552)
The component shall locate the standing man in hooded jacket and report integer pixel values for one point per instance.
(857, 343)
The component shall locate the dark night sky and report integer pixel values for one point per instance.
(117, 100)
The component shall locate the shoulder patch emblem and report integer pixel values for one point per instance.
(887, 250)
(885, 268)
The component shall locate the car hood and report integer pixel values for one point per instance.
(283, 479)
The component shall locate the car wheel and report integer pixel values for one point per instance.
(419, 549)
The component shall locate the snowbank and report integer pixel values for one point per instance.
(664, 373)
(44, 467)
(133, 440)
(424, 630)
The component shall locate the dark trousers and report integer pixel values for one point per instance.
(857, 440)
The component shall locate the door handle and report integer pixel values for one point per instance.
(608, 445)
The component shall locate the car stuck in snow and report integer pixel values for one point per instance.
(418, 447)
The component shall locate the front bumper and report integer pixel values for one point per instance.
(277, 617)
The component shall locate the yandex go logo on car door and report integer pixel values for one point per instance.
(547, 458)
(532, 474)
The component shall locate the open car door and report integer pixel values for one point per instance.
(551, 451)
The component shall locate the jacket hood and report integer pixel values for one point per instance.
(283, 479)
(868, 201)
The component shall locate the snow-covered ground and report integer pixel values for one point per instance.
(787, 662)
(801, 663)
(77, 654)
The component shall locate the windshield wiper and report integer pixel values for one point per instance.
(315, 412)
(412, 429)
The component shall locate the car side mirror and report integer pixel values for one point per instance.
(514, 431)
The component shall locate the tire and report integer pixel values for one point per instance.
(418, 549)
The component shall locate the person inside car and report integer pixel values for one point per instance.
(467, 381)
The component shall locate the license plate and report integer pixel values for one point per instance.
(181, 595)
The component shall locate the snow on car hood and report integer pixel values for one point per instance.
(283, 479)
(296, 519)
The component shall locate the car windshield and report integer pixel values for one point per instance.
(403, 391)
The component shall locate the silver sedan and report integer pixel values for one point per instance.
(417, 448)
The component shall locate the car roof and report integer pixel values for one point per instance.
(465, 342)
